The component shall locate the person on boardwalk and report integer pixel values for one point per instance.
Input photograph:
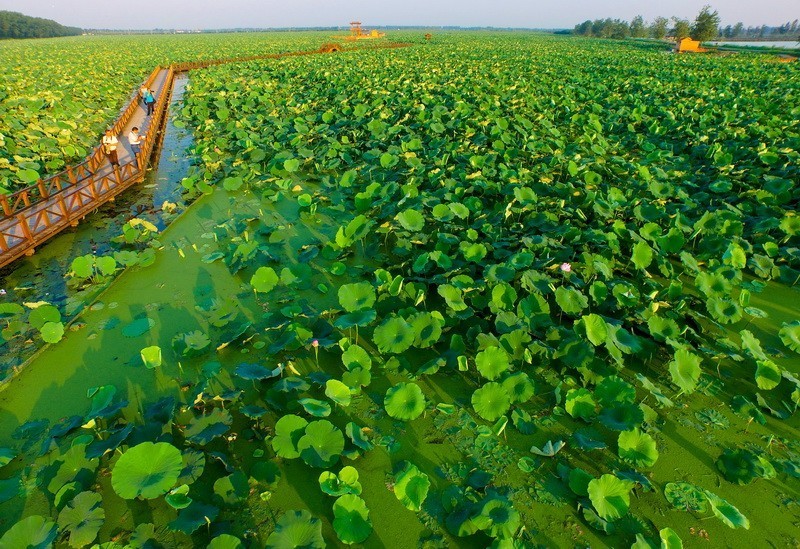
(135, 140)
(110, 143)
(149, 101)
(142, 91)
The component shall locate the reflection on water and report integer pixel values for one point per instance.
(757, 44)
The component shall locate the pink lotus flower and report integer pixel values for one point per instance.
(315, 343)
(566, 268)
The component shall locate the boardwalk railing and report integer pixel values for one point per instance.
(32, 215)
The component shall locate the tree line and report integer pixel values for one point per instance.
(706, 26)
(17, 25)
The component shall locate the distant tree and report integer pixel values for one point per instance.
(658, 29)
(638, 30)
(738, 30)
(706, 25)
(681, 29)
(17, 25)
(584, 29)
(727, 32)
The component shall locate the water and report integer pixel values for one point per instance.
(789, 44)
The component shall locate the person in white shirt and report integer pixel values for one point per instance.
(135, 139)
(110, 143)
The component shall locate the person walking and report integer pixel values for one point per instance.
(135, 140)
(142, 91)
(149, 101)
(110, 143)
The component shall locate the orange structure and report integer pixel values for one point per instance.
(358, 33)
(687, 44)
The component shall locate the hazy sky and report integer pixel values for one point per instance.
(208, 14)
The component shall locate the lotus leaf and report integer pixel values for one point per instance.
(610, 496)
(178, 498)
(685, 370)
(253, 372)
(726, 512)
(427, 328)
(338, 392)
(82, 518)
(498, 518)
(351, 519)
(151, 357)
(346, 482)
(637, 448)
(491, 401)
(411, 486)
(452, 296)
(411, 220)
(225, 541)
(395, 335)
(492, 362)
(314, 407)
(357, 297)
(790, 335)
(191, 344)
(580, 403)
(355, 356)
(321, 444)
(233, 488)
(34, 532)
(356, 435)
(768, 375)
(596, 329)
(193, 517)
(147, 470)
(549, 449)
(264, 280)
(571, 300)
(296, 530)
(202, 430)
(686, 497)
(288, 431)
(519, 387)
(404, 401)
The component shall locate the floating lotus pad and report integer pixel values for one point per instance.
(404, 401)
(491, 401)
(295, 530)
(147, 470)
(351, 519)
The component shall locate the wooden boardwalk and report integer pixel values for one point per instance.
(35, 214)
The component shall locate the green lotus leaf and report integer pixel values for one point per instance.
(194, 463)
(321, 445)
(193, 517)
(491, 401)
(411, 220)
(726, 512)
(288, 431)
(549, 449)
(346, 482)
(33, 532)
(642, 255)
(622, 417)
(338, 392)
(519, 387)
(361, 318)
(232, 183)
(226, 541)
(685, 370)
(686, 497)
(404, 401)
(411, 486)
(571, 300)
(395, 335)
(315, 407)
(356, 356)
(82, 518)
(296, 530)
(614, 390)
(178, 498)
(723, 310)
(790, 334)
(637, 448)
(427, 328)
(42, 315)
(473, 251)
(356, 436)
(492, 362)
(713, 284)
(357, 297)
(232, 489)
(264, 280)
(10, 310)
(151, 357)
(147, 470)
(351, 519)
(191, 344)
(596, 329)
(743, 467)
(52, 332)
(670, 539)
(498, 518)
(610, 496)
(768, 375)
(291, 165)
(452, 296)
(579, 481)
(254, 372)
(580, 403)
(662, 328)
(202, 430)
(143, 537)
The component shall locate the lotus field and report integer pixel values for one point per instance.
(497, 290)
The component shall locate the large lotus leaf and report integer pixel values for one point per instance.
(637, 448)
(491, 401)
(427, 328)
(346, 482)
(193, 517)
(296, 530)
(82, 518)
(519, 386)
(571, 300)
(254, 372)
(411, 220)
(743, 467)
(790, 335)
(225, 541)
(498, 518)
(395, 335)
(357, 297)
(202, 430)
(492, 362)
(726, 512)
(768, 375)
(610, 496)
(75, 466)
(338, 392)
(642, 255)
(52, 332)
(42, 315)
(288, 431)
(191, 344)
(596, 329)
(662, 328)
(151, 356)
(452, 296)
(356, 356)
(685, 370)
(686, 497)
(315, 407)
(264, 280)
(351, 519)
(580, 403)
(622, 417)
(724, 310)
(404, 401)
(614, 390)
(33, 532)
(321, 445)
(147, 470)
(411, 486)
(232, 489)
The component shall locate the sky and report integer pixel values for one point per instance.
(215, 14)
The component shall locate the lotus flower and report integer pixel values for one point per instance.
(565, 268)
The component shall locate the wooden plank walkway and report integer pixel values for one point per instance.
(35, 214)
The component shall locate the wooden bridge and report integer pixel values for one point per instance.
(35, 214)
